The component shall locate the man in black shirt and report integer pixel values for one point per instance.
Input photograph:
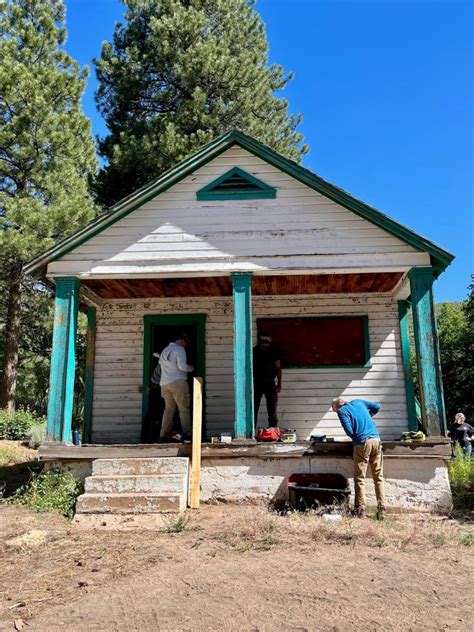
(266, 368)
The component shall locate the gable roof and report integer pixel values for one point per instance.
(440, 258)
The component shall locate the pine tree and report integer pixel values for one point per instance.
(47, 154)
(178, 74)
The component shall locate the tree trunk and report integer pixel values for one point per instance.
(12, 332)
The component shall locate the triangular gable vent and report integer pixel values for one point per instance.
(236, 184)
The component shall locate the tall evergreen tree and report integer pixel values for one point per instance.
(47, 154)
(178, 74)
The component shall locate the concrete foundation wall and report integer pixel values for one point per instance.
(411, 483)
(419, 484)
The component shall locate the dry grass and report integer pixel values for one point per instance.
(29, 540)
(43, 572)
(13, 452)
(257, 528)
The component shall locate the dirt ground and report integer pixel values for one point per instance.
(236, 567)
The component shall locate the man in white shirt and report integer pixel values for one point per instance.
(174, 385)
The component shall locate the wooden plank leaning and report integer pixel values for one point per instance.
(195, 494)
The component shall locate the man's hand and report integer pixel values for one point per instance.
(278, 389)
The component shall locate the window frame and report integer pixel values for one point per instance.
(365, 328)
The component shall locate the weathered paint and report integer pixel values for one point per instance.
(89, 375)
(405, 345)
(243, 369)
(427, 352)
(411, 483)
(225, 144)
(299, 230)
(61, 385)
(304, 402)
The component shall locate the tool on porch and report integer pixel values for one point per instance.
(317, 437)
(307, 491)
(413, 435)
(288, 435)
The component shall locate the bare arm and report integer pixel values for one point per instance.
(278, 374)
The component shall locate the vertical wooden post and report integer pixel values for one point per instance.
(63, 359)
(405, 344)
(89, 375)
(196, 447)
(243, 372)
(427, 351)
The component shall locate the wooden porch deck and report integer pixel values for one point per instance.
(435, 447)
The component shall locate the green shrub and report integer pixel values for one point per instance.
(37, 434)
(51, 491)
(17, 426)
(461, 476)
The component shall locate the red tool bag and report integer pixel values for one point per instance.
(268, 434)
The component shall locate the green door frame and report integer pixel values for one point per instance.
(179, 320)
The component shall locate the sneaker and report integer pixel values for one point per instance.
(171, 438)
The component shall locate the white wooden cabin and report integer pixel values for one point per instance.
(230, 236)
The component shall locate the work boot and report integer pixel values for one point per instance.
(380, 513)
(359, 512)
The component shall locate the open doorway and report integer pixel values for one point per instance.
(159, 331)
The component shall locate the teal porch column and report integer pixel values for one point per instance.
(243, 373)
(427, 351)
(405, 345)
(63, 359)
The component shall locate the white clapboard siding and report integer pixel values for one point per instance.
(305, 399)
(302, 227)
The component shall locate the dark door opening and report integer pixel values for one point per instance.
(159, 332)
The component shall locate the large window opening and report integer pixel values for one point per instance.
(319, 341)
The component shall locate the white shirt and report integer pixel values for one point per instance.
(155, 378)
(173, 364)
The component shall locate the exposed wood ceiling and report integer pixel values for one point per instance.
(261, 286)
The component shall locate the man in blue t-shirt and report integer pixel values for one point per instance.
(356, 419)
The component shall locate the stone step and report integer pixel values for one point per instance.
(145, 483)
(152, 465)
(130, 503)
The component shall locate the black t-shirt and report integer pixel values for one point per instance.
(461, 432)
(264, 369)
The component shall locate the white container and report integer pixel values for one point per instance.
(332, 517)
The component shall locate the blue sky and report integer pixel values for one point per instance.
(386, 91)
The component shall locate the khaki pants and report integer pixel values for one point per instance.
(176, 394)
(368, 453)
